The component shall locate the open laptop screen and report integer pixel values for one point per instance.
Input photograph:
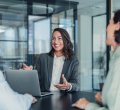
(24, 81)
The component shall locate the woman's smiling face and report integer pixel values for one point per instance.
(57, 42)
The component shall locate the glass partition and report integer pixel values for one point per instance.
(42, 36)
(115, 5)
(13, 33)
(99, 51)
(91, 35)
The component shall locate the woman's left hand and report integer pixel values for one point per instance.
(81, 103)
(65, 85)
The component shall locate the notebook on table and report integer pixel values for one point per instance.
(25, 81)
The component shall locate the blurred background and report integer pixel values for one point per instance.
(26, 30)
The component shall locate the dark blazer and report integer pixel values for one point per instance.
(44, 66)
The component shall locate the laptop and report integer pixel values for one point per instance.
(25, 81)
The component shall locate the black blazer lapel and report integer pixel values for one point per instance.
(65, 69)
(50, 68)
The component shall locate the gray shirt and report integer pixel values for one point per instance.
(111, 89)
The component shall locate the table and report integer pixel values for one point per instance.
(61, 100)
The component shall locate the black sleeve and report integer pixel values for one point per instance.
(75, 76)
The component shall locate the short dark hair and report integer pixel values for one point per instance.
(117, 36)
(68, 46)
(116, 17)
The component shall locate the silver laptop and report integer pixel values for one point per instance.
(24, 81)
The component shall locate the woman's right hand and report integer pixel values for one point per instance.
(25, 67)
(98, 97)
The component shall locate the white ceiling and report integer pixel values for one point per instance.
(94, 7)
(85, 7)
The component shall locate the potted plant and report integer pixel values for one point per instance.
(102, 74)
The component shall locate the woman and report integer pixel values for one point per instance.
(110, 96)
(58, 69)
(10, 100)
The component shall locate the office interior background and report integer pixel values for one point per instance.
(26, 29)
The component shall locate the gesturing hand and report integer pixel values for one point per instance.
(34, 100)
(65, 85)
(25, 67)
(81, 103)
(98, 97)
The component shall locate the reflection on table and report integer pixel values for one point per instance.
(61, 101)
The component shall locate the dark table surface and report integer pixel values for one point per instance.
(61, 101)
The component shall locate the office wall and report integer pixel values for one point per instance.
(85, 51)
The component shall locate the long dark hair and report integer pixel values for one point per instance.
(68, 46)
